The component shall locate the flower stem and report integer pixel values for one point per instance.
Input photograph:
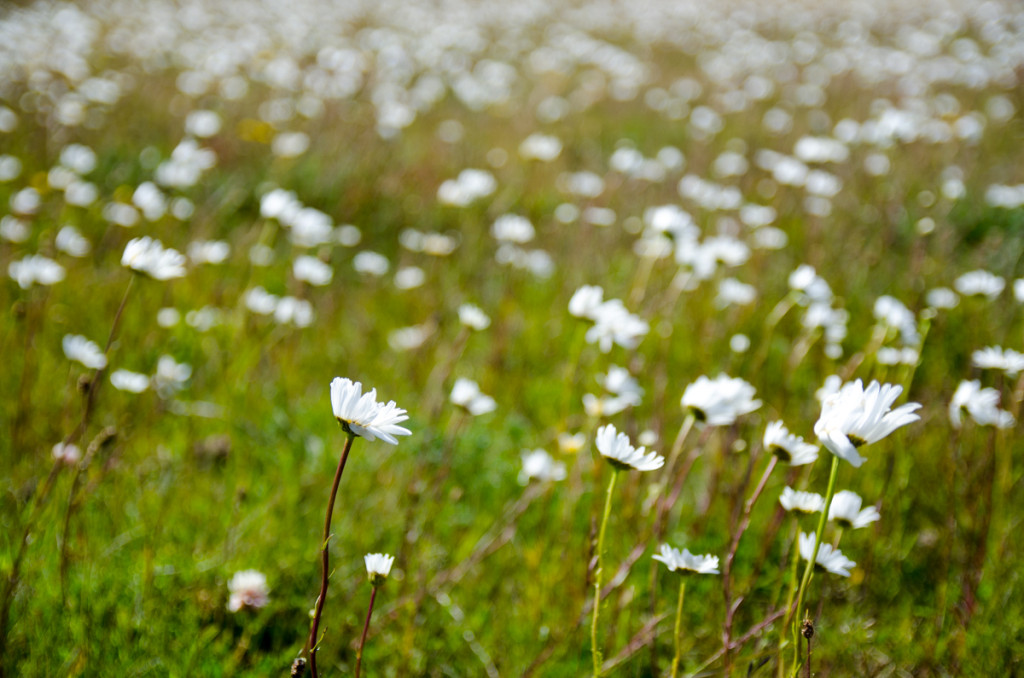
(814, 554)
(679, 627)
(325, 559)
(789, 600)
(366, 629)
(594, 648)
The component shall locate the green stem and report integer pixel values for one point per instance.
(814, 554)
(594, 648)
(794, 569)
(679, 627)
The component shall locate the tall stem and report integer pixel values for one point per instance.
(325, 558)
(789, 599)
(366, 629)
(594, 648)
(814, 554)
(679, 627)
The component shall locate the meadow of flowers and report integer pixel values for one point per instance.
(523, 339)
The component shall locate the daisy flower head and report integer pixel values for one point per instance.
(981, 404)
(787, 447)
(378, 567)
(80, 349)
(69, 454)
(585, 302)
(613, 324)
(248, 588)
(685, 562)
(616, 448)
(856, 416)
(360, 414)
(829, 559)
(35, 269)
(149, 257)
(473, 317)
(467, 395)
(719, 401)
(996, 357)
(801, 502)
(541, 466)
(846, 510)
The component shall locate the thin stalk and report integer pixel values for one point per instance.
(793, 573)
(366, 629)
(325, 558)
(817, 543)
(679, 627)
(594, 648)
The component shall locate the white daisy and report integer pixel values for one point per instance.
(998, 358)
(361, 414)
(616, 448)
(787, 447)
(802, 502)
(148, 256)
(684, 561)
(539, 465)
(720, 401)
(80, 349)
(856, 416)
(846, 511)
(378, 567)
(829, 559)
(982, 404)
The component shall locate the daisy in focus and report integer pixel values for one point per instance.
(855, 416)
(378, 567)
(361, 415)
(150, 258)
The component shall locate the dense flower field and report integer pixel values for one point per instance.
(524, 339)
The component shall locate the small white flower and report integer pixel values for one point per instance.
(208, 251)
(787, 447)
(616, 448)
(466, 394)
(473, 317)
(149, 257)
(846, 511)
(856, 416)
(378, 567)
(995, 357)
(132, 382)
(170, 375)
(371, 263)
(982, 404)
(802, 502)
(69, 454)
(684, 561)
(585, 302)
(312, 270)
(720, 401)
(363, 416)
(71, 242)
(831, 560)
(81, 349)
(539, 465)
(571, 443)
(512, 228)
(979, 283)
(34, 269)
(248, 588)
(613, 324)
